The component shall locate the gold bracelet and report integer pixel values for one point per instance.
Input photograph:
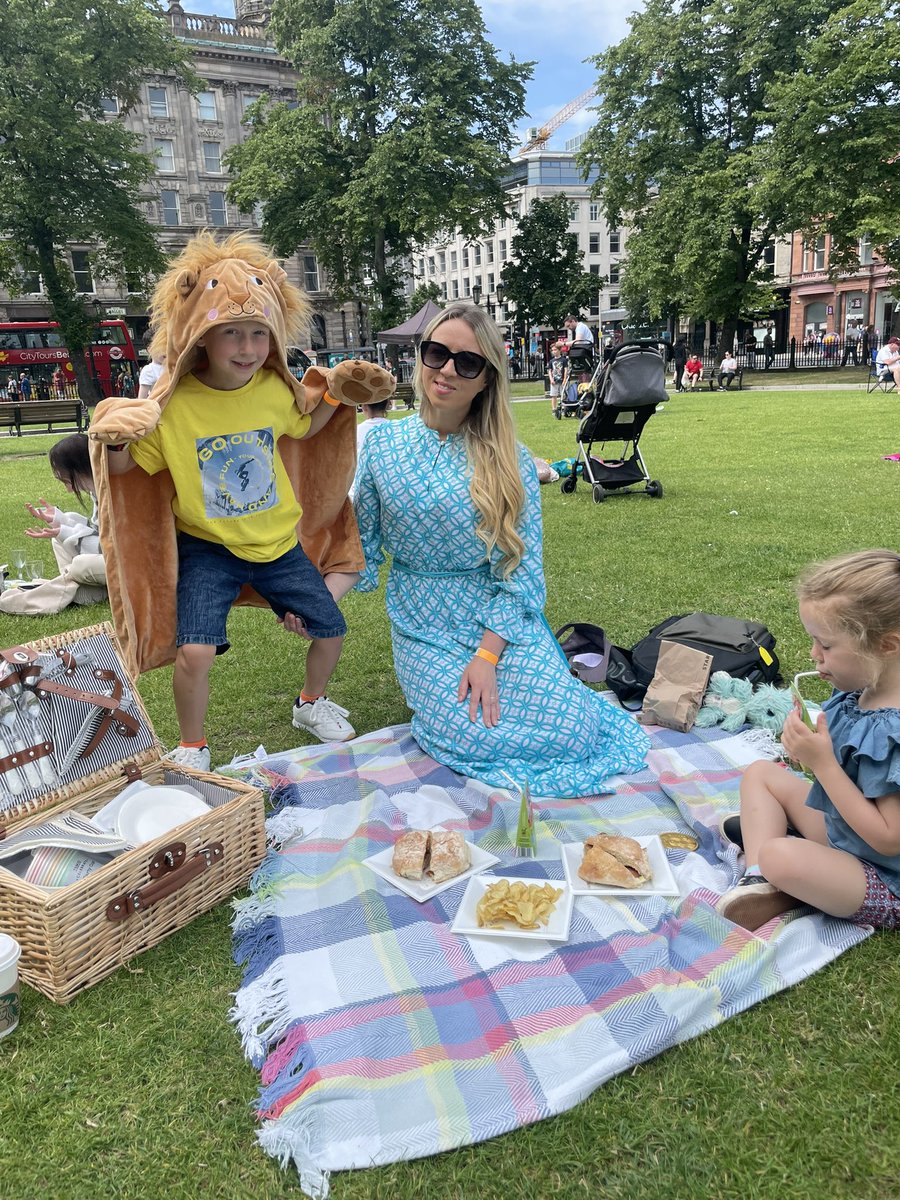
(329, 399)
(493, 659)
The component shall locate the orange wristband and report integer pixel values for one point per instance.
(493, 659)
(329, 399)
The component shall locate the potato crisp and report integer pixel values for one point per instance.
(528, 905)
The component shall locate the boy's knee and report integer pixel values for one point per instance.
(195, 657)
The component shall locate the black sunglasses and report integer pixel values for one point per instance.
(467, 364)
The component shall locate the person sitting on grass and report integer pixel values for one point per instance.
(693, 372)
(846, 859)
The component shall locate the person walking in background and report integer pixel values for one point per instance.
(25, 386)
(679, 358)
(12, 388)
(768, 350)
(58, 379)
(750, 348)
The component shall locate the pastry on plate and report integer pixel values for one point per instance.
(410, 852)
(614, 861)
(449, 855)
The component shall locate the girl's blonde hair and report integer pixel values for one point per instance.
(859, 593)
(489, 437)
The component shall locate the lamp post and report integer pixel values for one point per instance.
(476, 293)
(98, 317)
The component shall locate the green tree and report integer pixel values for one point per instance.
(67, 175)
(545, 278)
(423, 293)
(701, 144)
(402, 132)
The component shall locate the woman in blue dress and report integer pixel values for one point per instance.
(455, 501)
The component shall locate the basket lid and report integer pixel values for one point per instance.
(70, 719)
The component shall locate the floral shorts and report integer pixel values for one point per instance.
(881, 907)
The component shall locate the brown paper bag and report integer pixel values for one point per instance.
(676, 691)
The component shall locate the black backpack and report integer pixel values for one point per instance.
(744, 649)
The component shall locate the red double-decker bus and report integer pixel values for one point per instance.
(37, 349)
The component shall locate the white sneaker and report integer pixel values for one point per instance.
(189, 756)
(324, 719)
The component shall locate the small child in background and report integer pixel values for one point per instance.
(555, 373)
(846, 859)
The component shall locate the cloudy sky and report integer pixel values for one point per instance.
(556, 36)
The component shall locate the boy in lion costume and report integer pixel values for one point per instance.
(231, 479)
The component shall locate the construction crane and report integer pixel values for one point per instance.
(541, 135)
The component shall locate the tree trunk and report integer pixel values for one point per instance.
(726, 339)
(67, 310)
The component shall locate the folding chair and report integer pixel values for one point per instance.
(880, 379)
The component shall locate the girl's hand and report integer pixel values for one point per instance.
(46, 514)
(811, 748)
(294, 624)
(479, 683)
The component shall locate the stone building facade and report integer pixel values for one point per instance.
(846, 305)
(188, 136)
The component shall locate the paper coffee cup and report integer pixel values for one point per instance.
(9, 984)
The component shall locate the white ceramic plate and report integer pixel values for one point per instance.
(424, 889)
(662, 884)
(153, 811)
(556, 930)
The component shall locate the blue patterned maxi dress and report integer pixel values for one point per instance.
(412, 500)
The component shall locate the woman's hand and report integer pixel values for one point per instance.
(45, 513)
(479, 683)
(811, 748)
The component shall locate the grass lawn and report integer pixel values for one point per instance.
(138, 1089)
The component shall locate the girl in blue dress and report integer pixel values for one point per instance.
(454, 500)
(846, 860)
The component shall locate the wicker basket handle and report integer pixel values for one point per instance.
(141, 899)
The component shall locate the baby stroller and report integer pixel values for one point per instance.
(621, 399)
(572, 392)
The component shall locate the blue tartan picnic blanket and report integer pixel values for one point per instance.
(382, 1036)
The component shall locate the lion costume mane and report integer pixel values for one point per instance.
(214, 283)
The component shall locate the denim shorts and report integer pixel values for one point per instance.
(210, 578)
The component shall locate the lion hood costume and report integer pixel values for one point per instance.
(214, 283)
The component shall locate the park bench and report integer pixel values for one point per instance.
(404, 396)
(737, 382)
(16, 415)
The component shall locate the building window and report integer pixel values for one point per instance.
(442, 260)
(212, 158)
(595, 309)
(467, 288)
(218, 214)
(158, 98)
(614, 269)
(310, 273)
(594, 269)
(502, 249)
(476, 282)
(819, 254)
(444, 289)
(593, 212)
(476, 255)
(206, 106)
(170, 211)
(81, 269)
(614, 300)
(491, 282)
(164, 149)
(430, 264)
(422, 267)
(615, 242)
(489, 252)
(465, 258)
(865, 251)
(134, 285)
(109, 104)
(454, 287)
(454, 260)
(574, 209)
(593, 243)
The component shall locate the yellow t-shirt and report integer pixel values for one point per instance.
(221, 449)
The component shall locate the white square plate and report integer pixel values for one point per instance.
(662, 884)
(424, 889)
(556, 930)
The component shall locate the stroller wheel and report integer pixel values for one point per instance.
(599, 493)
(558, 414)
(655, 489)
(569, 484)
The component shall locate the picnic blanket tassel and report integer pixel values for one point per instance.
(289, 1138)
(262, 1012)
(285, 826)
(256, 933)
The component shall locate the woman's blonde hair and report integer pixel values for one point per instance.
(859, 593)
(495, 484)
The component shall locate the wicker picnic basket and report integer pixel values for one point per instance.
(74, 936)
